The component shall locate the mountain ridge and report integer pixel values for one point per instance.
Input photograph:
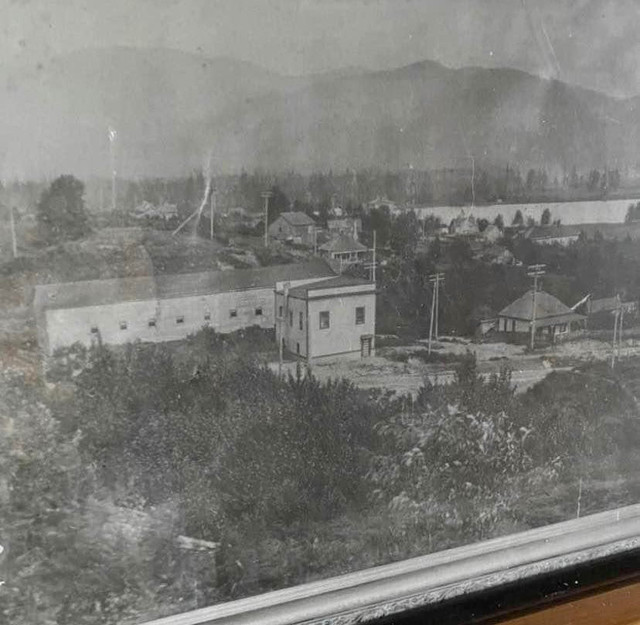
(171, 107)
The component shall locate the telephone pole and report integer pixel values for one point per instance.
(372, 265)
(617, 331)
(266, 195)
(535, 272)
(434, 279)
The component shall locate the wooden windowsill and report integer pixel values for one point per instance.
(372, 594)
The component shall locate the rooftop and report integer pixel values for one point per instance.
(331, 283)
(101, 292)
(546, 306)
(343, 243)
(552, 232)
(297, 219)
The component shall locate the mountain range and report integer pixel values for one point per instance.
(170, 109)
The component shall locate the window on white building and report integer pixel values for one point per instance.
(291, 317)
(325, 320)
(123, 325)
(258, 312)
(300, 320)
(180, 320)
(233, 313)
(360, 315)
(280, 312)
(207, 316)
(94, 329)
(152, 323)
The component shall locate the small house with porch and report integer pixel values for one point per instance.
(344, 249)
(553, 319)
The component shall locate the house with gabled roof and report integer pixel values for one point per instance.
(344, 249)
(552, 318)
(553, 235)
(296, 227)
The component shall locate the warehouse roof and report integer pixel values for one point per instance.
(101, 292)
(546, 306)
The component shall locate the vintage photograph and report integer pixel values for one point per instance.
(291, 289)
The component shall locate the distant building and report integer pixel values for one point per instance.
(344, 249)
(552, 317)
(491, 233)
(163, 308)
(550, 235)
(464, 225)
(382, 202)
(164, 211)
(609, 304)
(351, 226)
(497, 255)
(296, 227)
(327, 319)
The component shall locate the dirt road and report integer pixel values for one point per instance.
(407, 377)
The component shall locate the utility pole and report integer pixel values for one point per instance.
(617, 331)
(212, 209)
(535, 271)
(436, 333)
(620, 329)
(434, 279)
(14, 240)
(281, 319)
(373, 265)
(266, 195)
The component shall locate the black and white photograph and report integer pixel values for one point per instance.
(314, 311)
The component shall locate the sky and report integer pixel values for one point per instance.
(592, 43)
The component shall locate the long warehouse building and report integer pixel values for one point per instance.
(165, 307)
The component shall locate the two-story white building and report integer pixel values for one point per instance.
(327, 318)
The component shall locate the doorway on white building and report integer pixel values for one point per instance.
(365, 346)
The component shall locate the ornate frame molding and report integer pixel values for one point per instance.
(371, 594)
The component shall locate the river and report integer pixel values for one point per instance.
(569, 213)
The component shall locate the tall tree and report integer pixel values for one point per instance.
(61, 211)
(518, 219)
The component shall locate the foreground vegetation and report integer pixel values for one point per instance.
(291, 479)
